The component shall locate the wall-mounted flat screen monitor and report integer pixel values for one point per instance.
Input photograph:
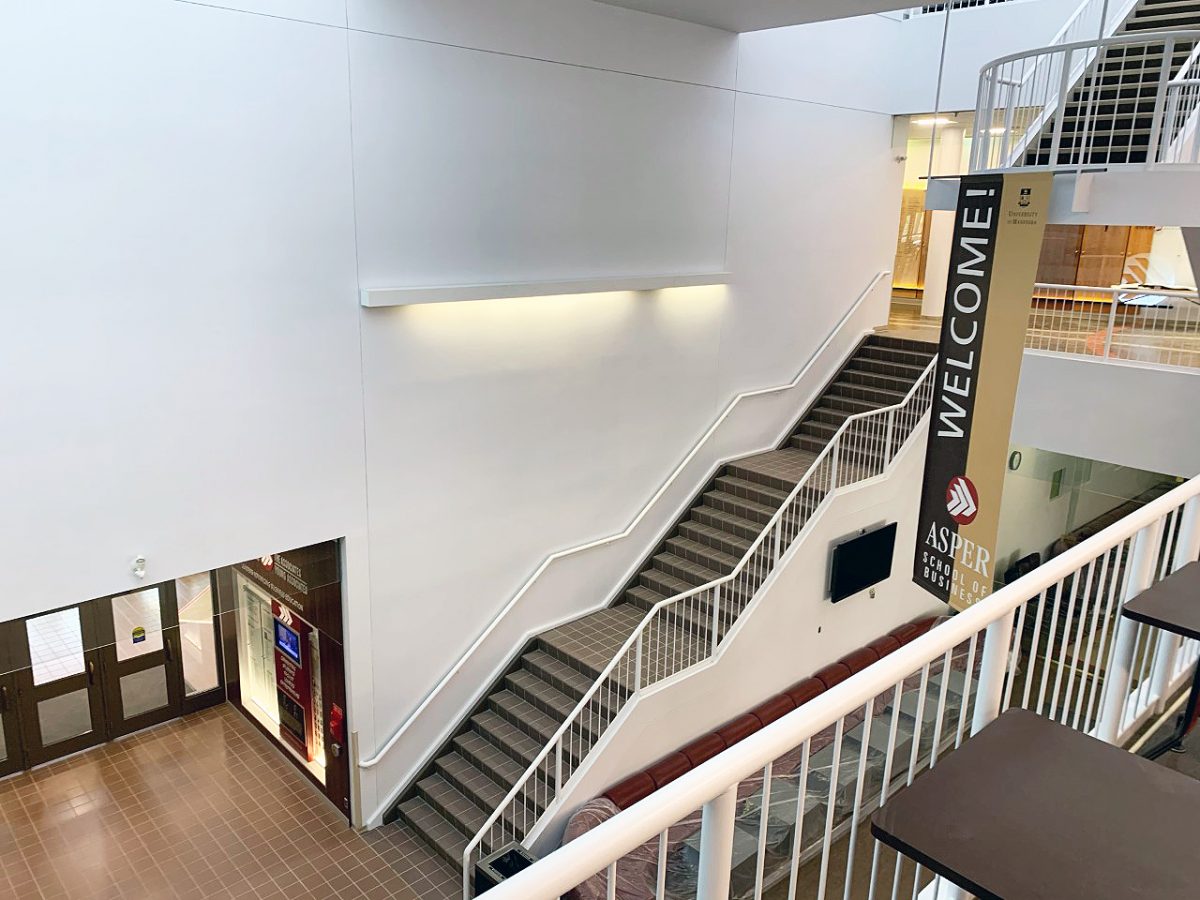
(862, 561)
(288, 641)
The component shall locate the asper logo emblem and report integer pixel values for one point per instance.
(962, 500)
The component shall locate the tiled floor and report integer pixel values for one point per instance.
(203, 807)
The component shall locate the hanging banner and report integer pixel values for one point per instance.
(998, 232)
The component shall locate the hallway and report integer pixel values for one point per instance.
(200, 807)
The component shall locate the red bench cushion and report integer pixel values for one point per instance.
(631, 790)
(859, 659)
(668, 769)
(884, 645)
(834, 674)
(739, 729)
(775, 708)
(704, 748)
(805, 690)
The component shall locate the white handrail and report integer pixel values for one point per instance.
(391, 742)
(921, 392)
(599, 848)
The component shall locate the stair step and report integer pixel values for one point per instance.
(855, 375)
(452, 805)
(685, 569)
(499, 765)
(822, 430)
(829, 416)
(469, 779)
(439, 833)
(507, 737)
(703, 554)
(917, 358)
(644, 598)
(752, 490)
(524, 715)
(562, 675)
(729, 522)
(904, 371)
(739, 506)
(849, 405)
(717, 538)
(897, 343)
(540, 694)
(881, 396)
(664, 582)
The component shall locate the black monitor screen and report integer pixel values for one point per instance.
(862, 561)
(287, 641)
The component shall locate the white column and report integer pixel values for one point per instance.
(716, 846)
(947, 160)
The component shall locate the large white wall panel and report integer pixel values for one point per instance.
(481, 167)
(321, 12)
(815, 197)
(177, 271)
(579, 32)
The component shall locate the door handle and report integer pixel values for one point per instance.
(3, 698)
(167, 648)
(91, 671)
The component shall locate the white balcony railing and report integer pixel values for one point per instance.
(1156, 327)
(684, 630)
(1127, 100)
(789, 803)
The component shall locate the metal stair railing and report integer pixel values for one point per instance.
(682, 631)
(795, 796)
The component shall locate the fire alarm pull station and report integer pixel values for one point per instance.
(294, 680)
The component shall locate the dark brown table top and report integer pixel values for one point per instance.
(1172, 604)
(1032, 810)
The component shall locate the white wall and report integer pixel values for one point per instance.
(177, 267)
(1119, 413)
(792, 631)
(196, 191)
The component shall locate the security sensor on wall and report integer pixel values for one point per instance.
(138, 566)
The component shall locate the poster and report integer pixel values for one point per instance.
(998, 231)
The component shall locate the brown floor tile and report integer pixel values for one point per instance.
(203, 807)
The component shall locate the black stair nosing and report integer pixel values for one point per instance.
(501, 733)
(703, 554)
(718, 538)
(524, 715)
(435, 831)
(472, 780)
(887, 382)
(665, 583)
(917, 358)
(484, 754)
(746, 473)
(540, 694)
(884, 367)
(752, 490)
(726, 521)
(740, 506)
(562, 675)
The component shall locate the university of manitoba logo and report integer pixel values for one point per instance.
(962, 500)
(1026, 197)
(268, 562)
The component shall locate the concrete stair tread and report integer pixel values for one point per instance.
(665, 583)
(782, 468)
(725, 500)
(726, 521)
(751, 490)
(709, 536)
(452, 805)
(471, 780)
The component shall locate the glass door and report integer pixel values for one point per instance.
(140, 653)
(10, 737)
(58, 685)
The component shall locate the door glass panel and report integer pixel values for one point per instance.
(65, 716)
(55, 645)
(137, 623)
(197, 639)
(143, 691)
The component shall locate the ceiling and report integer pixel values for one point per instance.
(754, 15)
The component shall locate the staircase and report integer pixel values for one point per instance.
(1111, 107)
(471, 776)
